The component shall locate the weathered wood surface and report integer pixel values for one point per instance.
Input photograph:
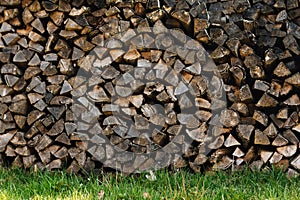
(121, 45)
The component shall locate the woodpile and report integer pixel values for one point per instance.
(139, 84)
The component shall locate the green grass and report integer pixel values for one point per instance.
(20, 184)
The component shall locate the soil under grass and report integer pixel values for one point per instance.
(20, 184)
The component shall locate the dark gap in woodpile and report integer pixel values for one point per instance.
(134, 85)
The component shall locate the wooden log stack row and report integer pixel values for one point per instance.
(92, 84)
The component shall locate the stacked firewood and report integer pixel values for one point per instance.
(141, 84)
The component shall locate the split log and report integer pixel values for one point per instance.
(144, 83)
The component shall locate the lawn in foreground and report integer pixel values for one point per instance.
(20, 184)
